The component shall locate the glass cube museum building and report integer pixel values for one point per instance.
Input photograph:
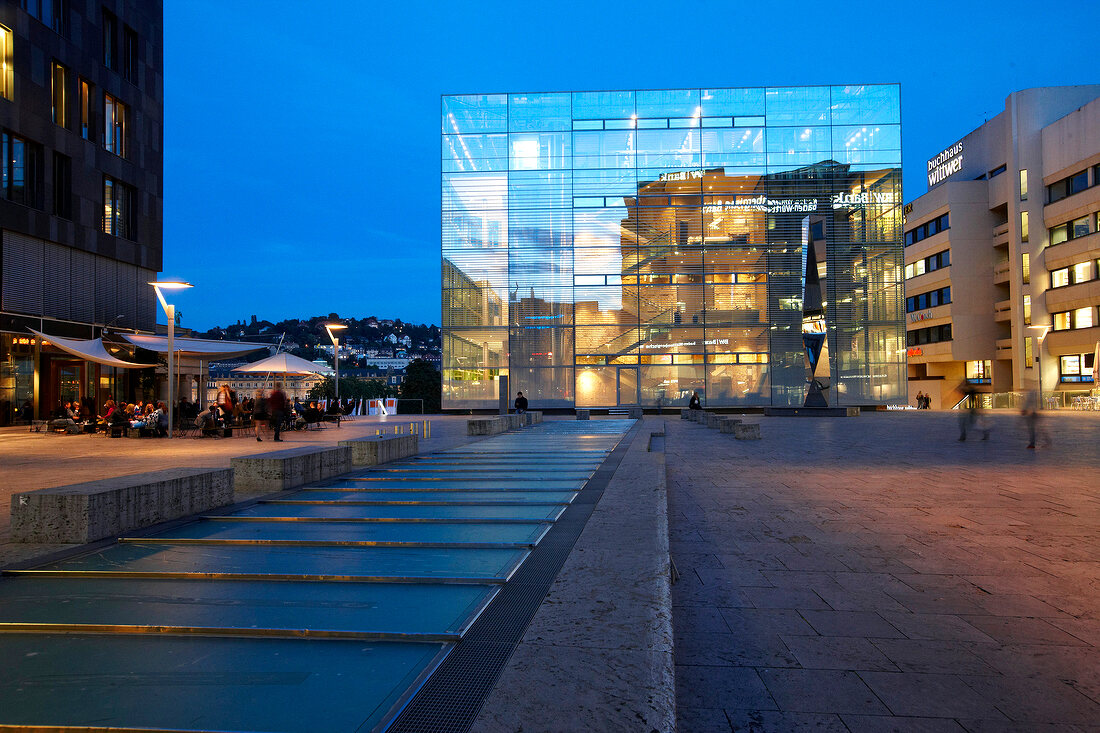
(624, 248)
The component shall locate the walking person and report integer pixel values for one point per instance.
(920, 400)
(276, 404)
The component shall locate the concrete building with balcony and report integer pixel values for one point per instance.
(1002, 254)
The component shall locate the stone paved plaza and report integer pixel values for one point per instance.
(875, 574)
(31, 461)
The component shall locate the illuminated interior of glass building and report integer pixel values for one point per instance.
(624, 248)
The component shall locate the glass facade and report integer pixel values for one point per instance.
(622, 248)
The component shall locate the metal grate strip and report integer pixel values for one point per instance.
(452, 697)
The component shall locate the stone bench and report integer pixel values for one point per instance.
(750, 431)
(713, 419)
(636, 413)
(583, 414)
(685, 413)
(699, 416)
(287, 469)
(726, 424)
(89, 511)
(372, 450)
(484, 426)
(533, 418)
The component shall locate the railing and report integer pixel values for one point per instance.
(1056, 400)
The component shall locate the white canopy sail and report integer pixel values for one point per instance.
(284, 364)
(200, 348)
(90, 350)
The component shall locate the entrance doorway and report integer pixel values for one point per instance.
(66, 384)
(628, 386)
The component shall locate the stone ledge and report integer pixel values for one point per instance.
(375, 449)
(93, 510)
(502, 423)
(728, 424)
(747, 431)
(287, 469)
(602, 637)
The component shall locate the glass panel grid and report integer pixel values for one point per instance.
(668, 232)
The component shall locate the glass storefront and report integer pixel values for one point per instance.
(622, 248)
(16, 378)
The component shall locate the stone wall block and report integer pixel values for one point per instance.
(93, 510)
(381, 449)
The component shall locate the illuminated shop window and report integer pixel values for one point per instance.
(1076, 368)
(979, 372)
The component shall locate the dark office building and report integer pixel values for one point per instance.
(81, 118)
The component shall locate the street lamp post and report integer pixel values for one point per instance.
(170, 314)
(330, 327)
(1039, 358)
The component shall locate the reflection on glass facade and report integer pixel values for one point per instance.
(627, 247)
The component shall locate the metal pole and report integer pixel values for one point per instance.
(336, 360)
(170, 311)
(1039, 366)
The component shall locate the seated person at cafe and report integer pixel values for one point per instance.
(141, 419)
(62, 419)
(208, 421)
(108, 411)
(156, 418)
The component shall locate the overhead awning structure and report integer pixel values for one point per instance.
(284, 364)
(199, 348)
(89, 350)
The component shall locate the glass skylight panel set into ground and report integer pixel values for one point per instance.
(628, 247)
(325, 608)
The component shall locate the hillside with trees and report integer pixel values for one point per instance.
(307, 337)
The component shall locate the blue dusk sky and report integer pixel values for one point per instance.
(302, 153)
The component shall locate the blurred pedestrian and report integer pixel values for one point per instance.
(276, 404)
(1031, 418)
(968, 414)
(920, 400)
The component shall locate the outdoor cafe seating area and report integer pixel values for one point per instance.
(215, 421)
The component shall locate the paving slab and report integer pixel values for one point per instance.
(915, 583)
